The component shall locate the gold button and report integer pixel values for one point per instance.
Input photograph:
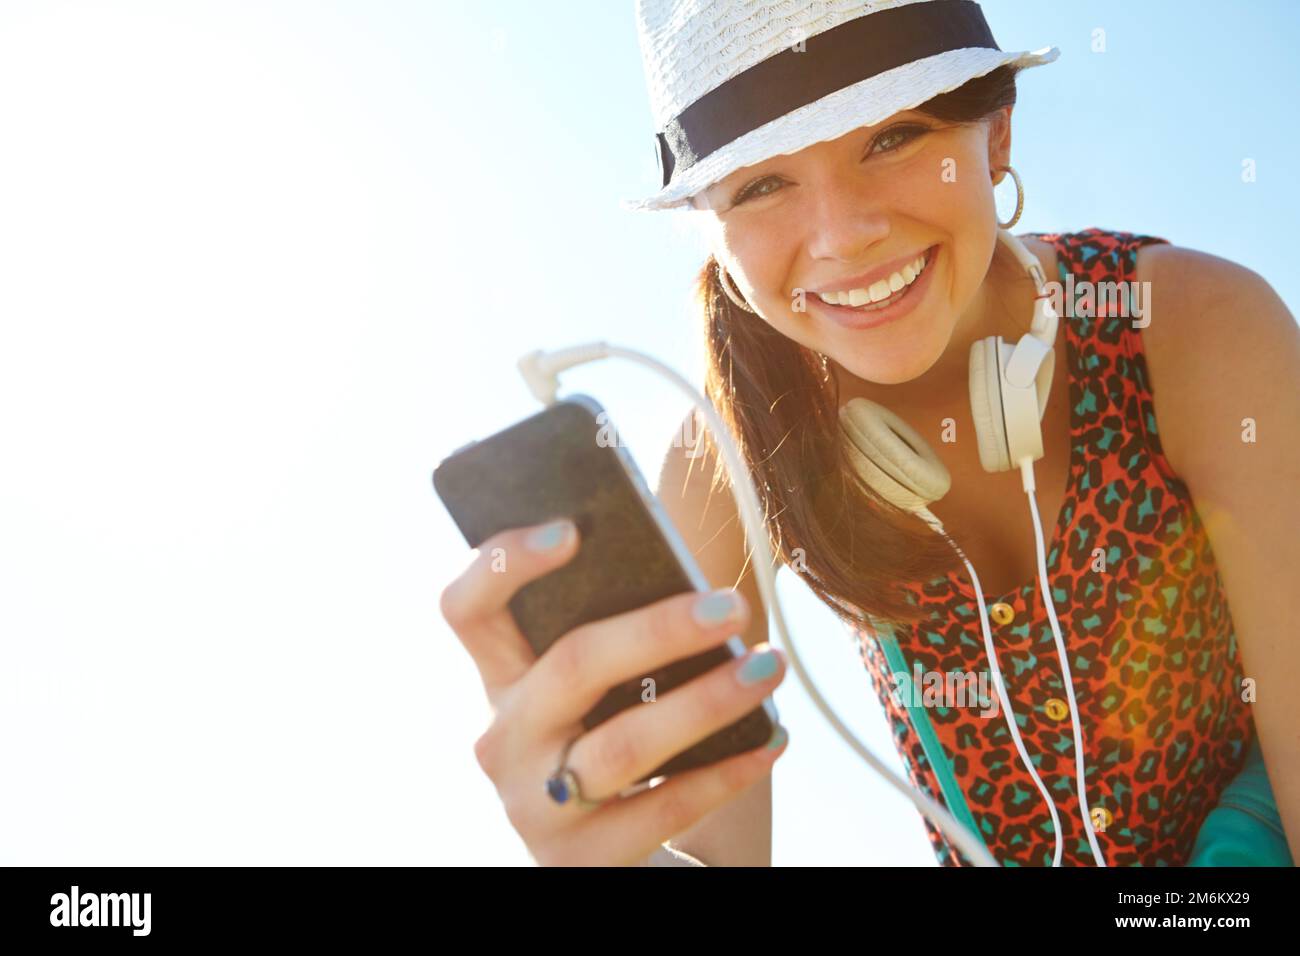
(1055, 708)
(1101, 818)
(1002, 614)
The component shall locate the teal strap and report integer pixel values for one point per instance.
(952, 792)
(1244, 829)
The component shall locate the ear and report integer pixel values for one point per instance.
(1000, 143)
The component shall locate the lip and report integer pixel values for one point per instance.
(851, 318)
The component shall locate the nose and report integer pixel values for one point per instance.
(845, 219)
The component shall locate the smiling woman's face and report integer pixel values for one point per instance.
(857, 212)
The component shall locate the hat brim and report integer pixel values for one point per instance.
(865, 103)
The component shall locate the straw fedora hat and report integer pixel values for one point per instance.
(735, 82)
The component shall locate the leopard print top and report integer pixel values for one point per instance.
(1144, 616)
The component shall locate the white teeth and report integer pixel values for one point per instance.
(880, 290)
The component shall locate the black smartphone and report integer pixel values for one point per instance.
(566, 462)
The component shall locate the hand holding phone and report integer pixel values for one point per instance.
(711, 716)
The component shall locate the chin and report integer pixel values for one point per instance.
(889, 366)
(892, 375)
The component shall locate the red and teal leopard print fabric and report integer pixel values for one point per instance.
(1152, 650)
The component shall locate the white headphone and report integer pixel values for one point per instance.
(1009, 386)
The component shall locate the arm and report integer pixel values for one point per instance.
(1222, 347)
(740, 833)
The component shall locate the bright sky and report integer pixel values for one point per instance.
(263, 264)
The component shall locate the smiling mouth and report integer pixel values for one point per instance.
(904, 280)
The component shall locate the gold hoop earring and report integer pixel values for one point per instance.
(1020, 198)
(725, 281)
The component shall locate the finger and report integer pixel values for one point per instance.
(632, 744)
(628, 830)
(475, 602)
(623, 750)
(580, 668)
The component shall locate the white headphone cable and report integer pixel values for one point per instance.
(1027, 479)
(541, 372)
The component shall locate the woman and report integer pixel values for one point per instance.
(855, 150)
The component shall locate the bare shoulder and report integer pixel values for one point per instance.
(1220, 347)
(704, 512)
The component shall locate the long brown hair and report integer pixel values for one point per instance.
(781, 404)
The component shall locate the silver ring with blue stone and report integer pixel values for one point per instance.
(562, 786)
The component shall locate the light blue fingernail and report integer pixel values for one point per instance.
(550, 536)
(758, 667)
(779, 737)
(716, 607)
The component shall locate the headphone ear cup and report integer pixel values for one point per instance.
(890, 457)
(986, 405)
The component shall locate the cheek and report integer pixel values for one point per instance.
(759, 267)
(972, 194)
(966, 212)
(960, 195)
